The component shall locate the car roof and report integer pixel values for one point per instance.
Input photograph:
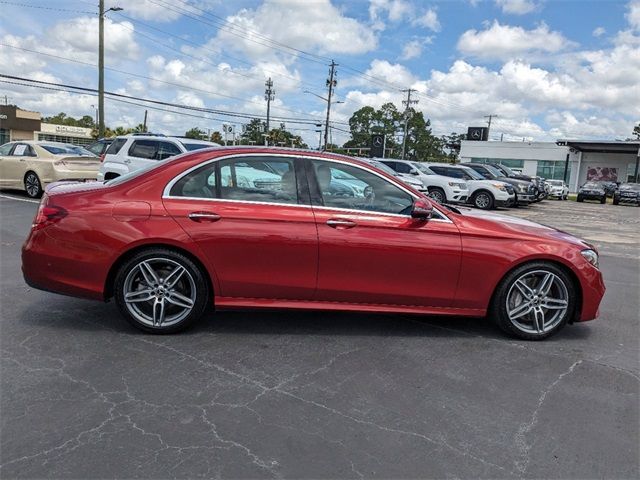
(157, 137)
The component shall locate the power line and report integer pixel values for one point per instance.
(42, 7)
(242, 115)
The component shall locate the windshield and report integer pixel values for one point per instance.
(384, 168)
(423, 168)
(507, 170)
(494, 171)
(472, 173)
(67, 149)
(591, 185)
(630, 186)
(196, 146)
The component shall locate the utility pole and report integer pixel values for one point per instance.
(331, 83)
(144, 124)
(407, 103)
(269, 94)
(101, 66)
(493, 115)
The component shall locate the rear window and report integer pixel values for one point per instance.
(195, 146)
(144, 149)
(115, 147)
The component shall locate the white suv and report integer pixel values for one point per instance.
(483, 194)
(441, 189)
(129, 153)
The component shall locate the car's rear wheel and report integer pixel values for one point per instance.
(616, 201)
(32, 185)
(580, 199)
(483, 200)
(534, 301)
(437, 194)
(603, 200)
(161, 291)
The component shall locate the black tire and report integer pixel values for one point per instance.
(437, 194)
(616, 201)
(498, 309)
(32, 185)
(196, 282)
(579, 199)
(603, 200)
(483, 200)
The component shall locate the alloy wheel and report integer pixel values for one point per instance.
(437, 196)
(32, 185)
(537, 302)
(482, 201)
(159, 292)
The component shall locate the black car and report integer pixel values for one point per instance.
(592, 191)
(538, 182)
(525, 190)
(627, 193)
(609, 187)
(100, 146)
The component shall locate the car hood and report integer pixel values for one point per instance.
(497, 225)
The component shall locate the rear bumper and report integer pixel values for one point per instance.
(66, 275)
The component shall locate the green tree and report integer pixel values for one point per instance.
(61, 118)
(217, 138)
(284, 138)
(636, 131)
(252, 132)
(196, 133)
(451, 145)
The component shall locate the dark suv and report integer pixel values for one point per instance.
(627, 193)
(525, 190)
(592, 191)
(538, 182)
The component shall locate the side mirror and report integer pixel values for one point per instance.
(415, 172)
(422, 209)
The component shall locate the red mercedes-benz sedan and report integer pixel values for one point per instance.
(277, 228)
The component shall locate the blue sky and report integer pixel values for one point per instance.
(548, 69)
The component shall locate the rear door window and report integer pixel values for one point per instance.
(144, 149)
(6, 148)
(403, 168)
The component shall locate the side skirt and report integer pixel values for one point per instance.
(240, 302)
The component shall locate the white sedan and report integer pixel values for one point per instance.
(558, 189)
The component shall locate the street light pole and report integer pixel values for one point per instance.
(101, 66)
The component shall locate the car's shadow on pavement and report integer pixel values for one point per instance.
(66, 313)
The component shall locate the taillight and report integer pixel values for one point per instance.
(47, 214)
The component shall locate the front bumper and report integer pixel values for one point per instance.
(632, 200)
(592, 196)
(510, 202)
(524, 198)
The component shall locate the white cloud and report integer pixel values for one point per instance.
(517, 7)
(395, 10)
(633, 14)
(428, 19)
(505, 41)
(598, 32)
(413, 48)
(162, 10)
(318, 26)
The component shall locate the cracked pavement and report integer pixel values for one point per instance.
(320, 394)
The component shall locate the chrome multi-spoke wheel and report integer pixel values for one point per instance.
(534, 301)
(537, 301)
(438, 195)
(32, 185)
(483, 201)
(161, 292)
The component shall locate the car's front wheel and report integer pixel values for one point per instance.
(483, 200)
(534, 301)
(437, 194)
(161, 291)
(32, 185)
(603, 200)
(579, 198)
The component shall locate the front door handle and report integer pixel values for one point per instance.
(204, 217)
(127, 161)
(341, 223)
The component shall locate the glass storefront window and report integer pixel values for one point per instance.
(507, 162)
(551, 170)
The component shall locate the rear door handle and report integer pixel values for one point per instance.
(341, 223)
(204, 217)
(127, 161)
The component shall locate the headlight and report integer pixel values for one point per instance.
(499, 186)
(590, 256)
(461, 186)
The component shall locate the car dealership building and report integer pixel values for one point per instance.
(575, 161)
(18, 124)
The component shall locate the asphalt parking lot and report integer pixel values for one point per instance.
(321, 395)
